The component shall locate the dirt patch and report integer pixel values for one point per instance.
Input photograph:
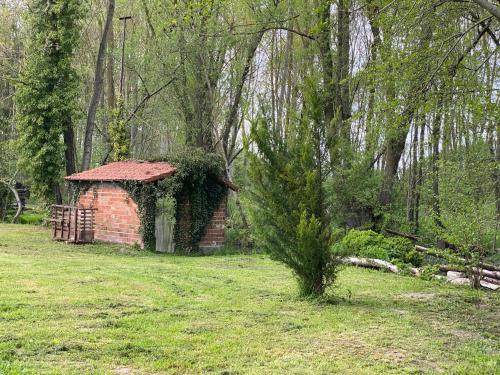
(123, 370)
(391, 355)
(465, 335)
(348, 343)
(418, 296)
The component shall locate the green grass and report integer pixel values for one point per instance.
(31, 218)
(109, 309)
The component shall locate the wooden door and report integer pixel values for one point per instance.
(164, 225)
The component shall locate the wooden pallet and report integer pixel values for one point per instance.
(73, 224)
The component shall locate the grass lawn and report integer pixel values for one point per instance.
(109, 309)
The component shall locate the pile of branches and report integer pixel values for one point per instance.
(459, 273)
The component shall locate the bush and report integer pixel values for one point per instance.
(369, 244)
(414, 257)
(428, 272)
(374, 252)
(238, 238)
(31, 218)
(403, 250)
(364, 243)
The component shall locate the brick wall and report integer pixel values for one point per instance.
(117, 217)
(214, 237)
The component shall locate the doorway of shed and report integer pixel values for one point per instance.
(165, 224)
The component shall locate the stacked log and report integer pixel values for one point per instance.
(489, 273)
(490, 278)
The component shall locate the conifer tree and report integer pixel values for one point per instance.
(288, 210)
(46, 94)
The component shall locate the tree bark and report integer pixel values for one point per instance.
(413, 172)
(421, 121)
(436, 136)
(326, 60)
(491, 8)
(396, 140)
(496, 174)
(343, 100)
(232, 118)
(98, 87)
(110, 70)
(371, 263)
(370, 128)
(70, 149)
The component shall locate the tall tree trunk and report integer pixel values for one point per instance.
(370, 128)
(110, 92)
(98, 87)
(412, 186)
(343, 100)
(496, 176)
(110, 70)
(326, 60)
(421, 122)
(70, 149)
(436, 137)
(393, 151)
(231, 122)
(396, 139)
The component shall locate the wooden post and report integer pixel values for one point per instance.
(76, 223)
(124, 19)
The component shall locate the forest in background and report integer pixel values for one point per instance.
(398, 98)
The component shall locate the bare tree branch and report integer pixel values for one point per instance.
(150, 95)
(491, 8)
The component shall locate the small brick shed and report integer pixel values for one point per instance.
(116, 213)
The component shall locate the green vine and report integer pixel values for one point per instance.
(195, 181)
(145, 196)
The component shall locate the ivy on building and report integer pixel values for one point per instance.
(194, 187)
(195, 182)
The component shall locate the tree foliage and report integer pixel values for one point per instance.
(47, 91)
(288, 211)
(407, 98)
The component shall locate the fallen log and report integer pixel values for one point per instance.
(488, 285)
(458, 279)
(491, 280)
(382, 264)
(475, 271)
(440, 244)
(371, 263)
(489, 267)
(421, 248)
(488, 273)
(486, 266)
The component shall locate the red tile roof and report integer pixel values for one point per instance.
(129, 170)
